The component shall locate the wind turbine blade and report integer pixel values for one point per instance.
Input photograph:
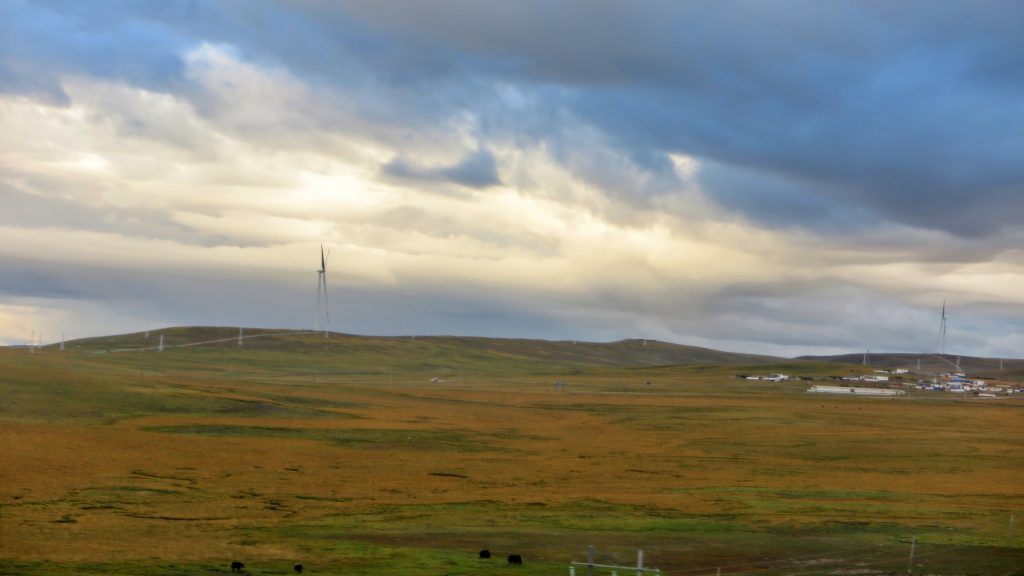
(323, 261)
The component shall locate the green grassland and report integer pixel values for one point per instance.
(364, 455)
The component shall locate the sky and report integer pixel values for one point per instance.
(777, 177)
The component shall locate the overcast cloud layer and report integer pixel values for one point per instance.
(776, 177)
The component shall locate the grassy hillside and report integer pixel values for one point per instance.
(423, 352)
(343, 455)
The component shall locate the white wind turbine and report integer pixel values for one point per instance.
(321, 293)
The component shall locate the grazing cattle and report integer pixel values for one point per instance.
(515, 559)
(485, 553)
(298, 568)
(237, 566)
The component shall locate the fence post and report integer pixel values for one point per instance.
(910, 565)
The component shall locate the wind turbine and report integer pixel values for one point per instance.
(321, 292)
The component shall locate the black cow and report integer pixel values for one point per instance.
(237, 566)
(515, 559)
(485, 553)
(298, 568)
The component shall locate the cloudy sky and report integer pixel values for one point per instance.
(784, 177)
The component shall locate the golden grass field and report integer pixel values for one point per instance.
(182, 461)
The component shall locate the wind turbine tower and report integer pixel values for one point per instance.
(942, 331)
(321, 294)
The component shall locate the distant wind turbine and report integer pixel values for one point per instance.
(321, 293)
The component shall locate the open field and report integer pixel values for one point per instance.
(348, 459)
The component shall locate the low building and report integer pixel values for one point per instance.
(854, 390)
(770, 377)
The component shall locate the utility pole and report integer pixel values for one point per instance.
(240, 330)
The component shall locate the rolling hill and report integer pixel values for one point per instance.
(461, 353)
(442, 351)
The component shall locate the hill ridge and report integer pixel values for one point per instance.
(622, 353)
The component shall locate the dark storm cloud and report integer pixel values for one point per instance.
(772, 200)
(909, 111)
(476, 170)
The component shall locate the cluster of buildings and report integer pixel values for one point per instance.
(960, 382)
(891, 383)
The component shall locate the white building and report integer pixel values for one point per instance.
(854, 390)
